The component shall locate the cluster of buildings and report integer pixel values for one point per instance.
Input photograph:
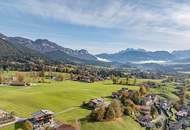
(182, 117)
(6, 117)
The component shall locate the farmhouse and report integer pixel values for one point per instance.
(93, 103)
(41, 119)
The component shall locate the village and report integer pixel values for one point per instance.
(150, 110)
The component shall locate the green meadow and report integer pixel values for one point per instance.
(64, 98)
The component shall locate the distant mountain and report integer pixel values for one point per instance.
(53, 51)
(44, 46)
(135, 55)
(12, 52)
(66, 58)
(182, 54)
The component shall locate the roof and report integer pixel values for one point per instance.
(42, 113)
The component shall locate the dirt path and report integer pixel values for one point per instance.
(66, 110)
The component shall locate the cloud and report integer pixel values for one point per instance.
(152, 21)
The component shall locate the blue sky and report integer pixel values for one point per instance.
(100, 25)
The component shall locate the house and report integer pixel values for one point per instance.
(119, 93)
(42, 119)
(174, 126)
(93, 103)
(145, 121)
(150, 99)
(181, 114)
(6, 117)
(145, 110)
(165, 104)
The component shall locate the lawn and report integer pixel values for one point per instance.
(64, 98)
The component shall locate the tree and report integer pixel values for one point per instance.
(1, 78)
(182, 95)
(27, 125)
(114, 80)
(142, 91)
(48, 128)
(20, 77)
(60, 77)
(110, 114)
(118, 108)
(127, 80)
(42, 73)
(128, 111)
(135, 81)
(153, 112)
(135, 97)
(98, 114)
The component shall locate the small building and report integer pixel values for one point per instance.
(181, 114)
(145, 110)
(145, 121)
(42, 119)
(174, 126)
(93, 103)
(119, 93)
(6, 117)
(150, 99)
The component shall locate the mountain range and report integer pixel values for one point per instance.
(45, 49)
(19, 46)
(141, 56)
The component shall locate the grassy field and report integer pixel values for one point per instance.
(65, 98)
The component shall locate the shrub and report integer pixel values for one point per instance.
(60, 77)
(20, 77)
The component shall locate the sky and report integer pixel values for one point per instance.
(100, 26)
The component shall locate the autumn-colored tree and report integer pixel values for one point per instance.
(114, 80)
(48, 128)
(153, 112)
(20, 77)
(182, 95)
(42, 73)
(135, 97)
(118, 108)
(142, 91)
(135, 81)
(60, 77)
(27, 125)
(128, 111)
(98, 114)
(110, 114)
(1, 78)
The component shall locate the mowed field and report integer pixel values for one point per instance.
(64, 98)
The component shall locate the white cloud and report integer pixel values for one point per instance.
(163, 21)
